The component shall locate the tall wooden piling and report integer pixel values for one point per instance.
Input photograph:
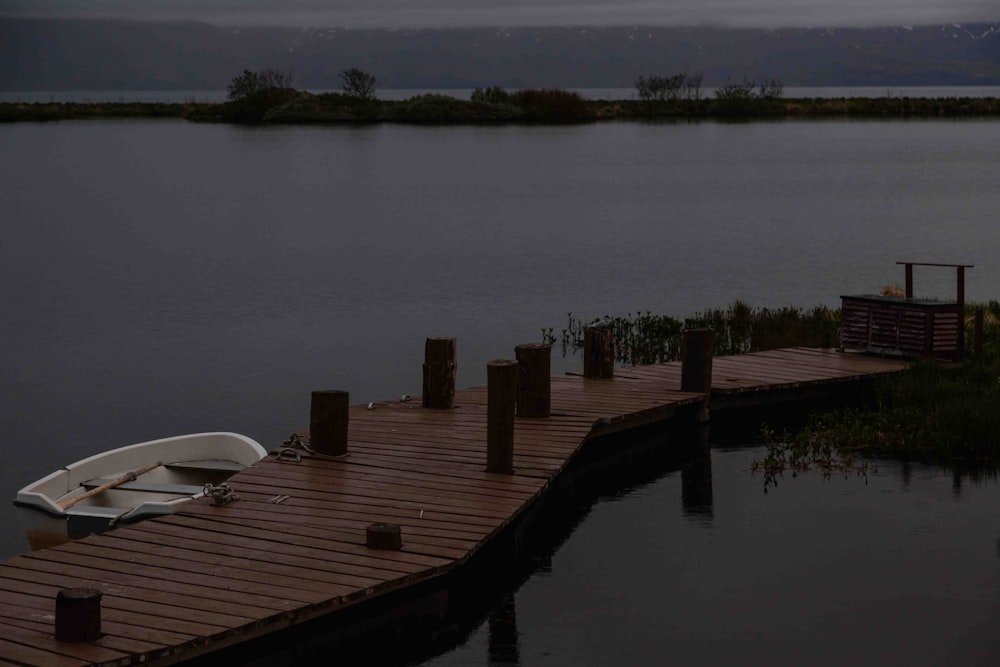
(328, 419)
(534, 395)
(440, 368)
(696, 367)
(696, 371)
(598, 352)
(78, 615)
(501, 400)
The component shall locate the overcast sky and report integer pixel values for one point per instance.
(427, 13)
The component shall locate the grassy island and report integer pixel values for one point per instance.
(288, 106)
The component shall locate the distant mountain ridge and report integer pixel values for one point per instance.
(44, 54)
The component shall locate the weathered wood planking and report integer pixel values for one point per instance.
(208, 577)
(776, 369)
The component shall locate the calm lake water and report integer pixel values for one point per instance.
(899, 569)
(161, 277)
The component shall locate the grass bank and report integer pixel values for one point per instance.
(934, 412)
(945, 414)
(645, 338)
(289, 106)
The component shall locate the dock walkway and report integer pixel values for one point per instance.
(211, 576)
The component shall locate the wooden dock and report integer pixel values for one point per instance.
(210, 577)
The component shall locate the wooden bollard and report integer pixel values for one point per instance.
(501, 400)
(78, 615)
(598, 352)
(386, 536)
(696, 369)
(440, 367)
(534, 390)
(328, 419)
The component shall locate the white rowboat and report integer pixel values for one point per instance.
(130, 484)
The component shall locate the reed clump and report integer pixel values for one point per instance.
(646, 338)
(933, 412)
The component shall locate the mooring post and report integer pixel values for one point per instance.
(501, 400)
(440, 368)
(328, 418)
(78, 615)
(696, 371)
(534, 395)
(598, 352)
(696, 368)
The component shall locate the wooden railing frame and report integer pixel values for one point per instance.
(959, 292)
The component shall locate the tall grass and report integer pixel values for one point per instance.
(934, 411)
(645, 338)
(937, 412)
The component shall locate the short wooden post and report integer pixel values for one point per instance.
(598, 352)
(534, 395)
(386, 536)
(328, 419)
(440, 368)
(977, 334)
(78, 615)
(501, 399)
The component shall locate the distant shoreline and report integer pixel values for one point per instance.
(218, 96)
(294, 107)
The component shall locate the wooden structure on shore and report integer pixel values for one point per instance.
(392, 495)
(905, 326)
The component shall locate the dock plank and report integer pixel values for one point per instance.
(177, 586)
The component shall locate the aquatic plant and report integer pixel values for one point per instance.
(933, 412)
(803, 451)
(645, 338)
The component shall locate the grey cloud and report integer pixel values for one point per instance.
(428, 13)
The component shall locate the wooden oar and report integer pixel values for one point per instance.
(127, 477)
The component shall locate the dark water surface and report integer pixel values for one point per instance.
(903, 569)
(162, 277)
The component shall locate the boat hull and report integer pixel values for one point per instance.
(103, 491)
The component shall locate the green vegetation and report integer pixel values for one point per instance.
(266, 96)
(933, 412)
(357, 83)
(250, 83)
(645, 338)
(50, 111)
(746, 98)
(669, 88)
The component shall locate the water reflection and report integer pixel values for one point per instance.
(696, 488)
(503, 635)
